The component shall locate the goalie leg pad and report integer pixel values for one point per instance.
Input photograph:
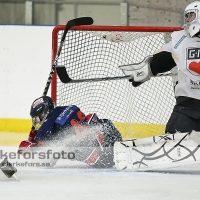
(195, 136)
(156, 139)
(163, 154)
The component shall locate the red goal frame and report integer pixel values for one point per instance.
(99, 28)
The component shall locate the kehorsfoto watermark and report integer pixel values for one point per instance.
(35, 157)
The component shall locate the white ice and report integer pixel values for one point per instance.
(71, 180)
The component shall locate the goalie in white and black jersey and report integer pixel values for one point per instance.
(185, 48)
(183, 126)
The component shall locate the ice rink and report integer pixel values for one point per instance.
(72, 180)
(76, 181)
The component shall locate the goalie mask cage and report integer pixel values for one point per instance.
(96, 52)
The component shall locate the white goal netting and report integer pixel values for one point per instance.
(89, 53)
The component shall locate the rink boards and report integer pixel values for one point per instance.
(12, 131)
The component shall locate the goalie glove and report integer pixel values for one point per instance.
(140, 72)
(7, 168)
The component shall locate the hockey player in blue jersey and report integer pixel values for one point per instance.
(90, 138)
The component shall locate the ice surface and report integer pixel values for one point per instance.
(72, 180)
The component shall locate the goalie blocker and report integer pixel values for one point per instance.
(139, 72)
(158, 152)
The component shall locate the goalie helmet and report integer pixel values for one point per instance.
(192, 18)
(41, 108)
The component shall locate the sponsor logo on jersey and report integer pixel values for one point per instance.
(62, 114)
(66, 115)
(177, 44)
(193, 61)
(194, 85)
(193, 53)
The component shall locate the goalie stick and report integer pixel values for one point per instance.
(64, 77)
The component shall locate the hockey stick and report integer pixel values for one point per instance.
(64, 77)
(70, 24)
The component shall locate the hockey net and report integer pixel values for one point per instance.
(97, 51)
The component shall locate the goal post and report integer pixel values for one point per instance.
(96, 52)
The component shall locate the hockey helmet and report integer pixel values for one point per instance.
(192, 18)
(41, 108)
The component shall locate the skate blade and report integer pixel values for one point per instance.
(15, 177)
